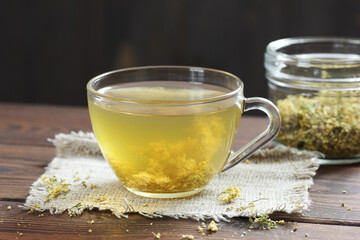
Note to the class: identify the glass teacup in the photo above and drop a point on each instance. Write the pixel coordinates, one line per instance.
(166, 131)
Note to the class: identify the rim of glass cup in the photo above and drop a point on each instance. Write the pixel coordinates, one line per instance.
(273, 49)
(225, 96)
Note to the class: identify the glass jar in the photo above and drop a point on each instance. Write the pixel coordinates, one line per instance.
(315, 83)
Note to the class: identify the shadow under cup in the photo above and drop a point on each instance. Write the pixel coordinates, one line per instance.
(166, 131)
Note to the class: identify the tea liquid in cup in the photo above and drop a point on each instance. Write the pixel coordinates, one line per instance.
(165, 138)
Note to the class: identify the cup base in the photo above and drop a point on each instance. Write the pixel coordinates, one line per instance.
(166, 195)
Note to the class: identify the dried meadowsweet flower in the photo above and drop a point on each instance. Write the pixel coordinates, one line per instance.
(263, 221)
(327, 122)
(213, 227)
(55, 187)
(250, 207)
(156, 235)
(99, 200)
(79, 204)
(31, 210)
(281, 222)
(231, 194)
(190, 237)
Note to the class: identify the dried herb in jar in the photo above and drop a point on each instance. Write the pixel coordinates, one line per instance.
(328, 123)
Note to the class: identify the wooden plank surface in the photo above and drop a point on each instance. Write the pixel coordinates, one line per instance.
(24, 152)
(107, 226)
(34, 124)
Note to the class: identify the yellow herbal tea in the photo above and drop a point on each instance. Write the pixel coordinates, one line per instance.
(167, 148)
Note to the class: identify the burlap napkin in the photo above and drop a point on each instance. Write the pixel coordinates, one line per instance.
(78, 178)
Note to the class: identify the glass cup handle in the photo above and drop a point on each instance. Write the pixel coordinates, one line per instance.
(262, 104)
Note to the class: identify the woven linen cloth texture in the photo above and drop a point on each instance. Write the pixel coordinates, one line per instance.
(273, 180)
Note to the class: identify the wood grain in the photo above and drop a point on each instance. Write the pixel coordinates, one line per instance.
(24, 152)
(327, 196)
(107, 226)
(34, 124)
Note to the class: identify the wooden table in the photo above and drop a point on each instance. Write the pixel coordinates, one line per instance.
(25, 151)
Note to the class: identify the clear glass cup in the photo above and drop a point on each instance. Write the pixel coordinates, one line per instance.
(166, 131)
(315, 83)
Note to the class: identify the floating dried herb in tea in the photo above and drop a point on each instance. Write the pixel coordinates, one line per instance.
(328, 123)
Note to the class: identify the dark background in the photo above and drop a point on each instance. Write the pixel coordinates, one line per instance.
(50, 49)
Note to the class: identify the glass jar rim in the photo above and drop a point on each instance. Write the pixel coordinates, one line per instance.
(274, 47)
(314, 57)
(232, 93)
